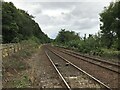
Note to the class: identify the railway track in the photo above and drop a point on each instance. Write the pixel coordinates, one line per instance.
(67, 70)
(115, 67)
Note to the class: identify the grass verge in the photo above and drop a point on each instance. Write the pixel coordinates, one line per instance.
(15, 69)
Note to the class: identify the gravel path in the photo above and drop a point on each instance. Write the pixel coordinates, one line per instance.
(42, 73)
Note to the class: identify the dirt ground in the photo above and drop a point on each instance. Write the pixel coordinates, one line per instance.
(40, 73)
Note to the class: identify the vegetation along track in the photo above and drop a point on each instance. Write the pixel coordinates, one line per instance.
(109, 77)
(115, 67)
(71, 75)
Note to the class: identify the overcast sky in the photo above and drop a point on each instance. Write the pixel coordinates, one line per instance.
(81, 16)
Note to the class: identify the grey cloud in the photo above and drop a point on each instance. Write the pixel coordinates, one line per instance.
(87, 9)
(85, 23)
(44, 19)
(57, 5)
(37, 11)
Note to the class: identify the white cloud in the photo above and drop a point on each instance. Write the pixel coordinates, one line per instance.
(60, 0)
(55, 13)
(81, 16)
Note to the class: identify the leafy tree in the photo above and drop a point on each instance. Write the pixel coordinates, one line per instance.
(10, 28)
(19, 25)
(72, 40)
(66, 36)
(110, 19)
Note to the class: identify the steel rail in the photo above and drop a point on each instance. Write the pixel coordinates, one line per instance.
(97, 59)
(116, 71)
(115, 64)
(92, 62)
(82, 70)
(65, 82)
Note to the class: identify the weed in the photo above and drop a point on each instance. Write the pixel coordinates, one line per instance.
(22, 82)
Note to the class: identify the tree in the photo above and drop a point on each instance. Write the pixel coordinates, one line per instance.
(110, 26)
(66, 36)
(19, 25)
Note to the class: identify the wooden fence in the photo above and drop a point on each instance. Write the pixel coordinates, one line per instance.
(9, 49)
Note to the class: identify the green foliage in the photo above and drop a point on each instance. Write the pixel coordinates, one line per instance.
(18, 25)
(25, 53)
(66, 36)
(111, 53)
(110, 26)
(34, 39)
(72, 40)
(14, 64)
(22, 82)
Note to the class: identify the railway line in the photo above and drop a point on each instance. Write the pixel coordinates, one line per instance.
(71, 75)
(104, 73)
(115, 67)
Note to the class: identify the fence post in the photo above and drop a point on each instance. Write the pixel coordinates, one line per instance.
(14, 48)
(9, 49)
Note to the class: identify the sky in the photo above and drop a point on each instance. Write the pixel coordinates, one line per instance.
(81, 16)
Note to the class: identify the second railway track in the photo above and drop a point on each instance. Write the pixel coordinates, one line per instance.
(73, 76)
(115, 67)
(110, 77)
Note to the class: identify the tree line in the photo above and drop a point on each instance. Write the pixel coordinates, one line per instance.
(18, 25)
(108, 38)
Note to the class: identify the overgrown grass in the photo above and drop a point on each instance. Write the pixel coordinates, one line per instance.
(109, 53)
(16, 64)
(21, 82)
(16, 61)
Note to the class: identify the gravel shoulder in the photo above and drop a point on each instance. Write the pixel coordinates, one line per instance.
(42, 74)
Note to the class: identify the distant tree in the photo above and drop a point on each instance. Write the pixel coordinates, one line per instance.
(66, 36)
